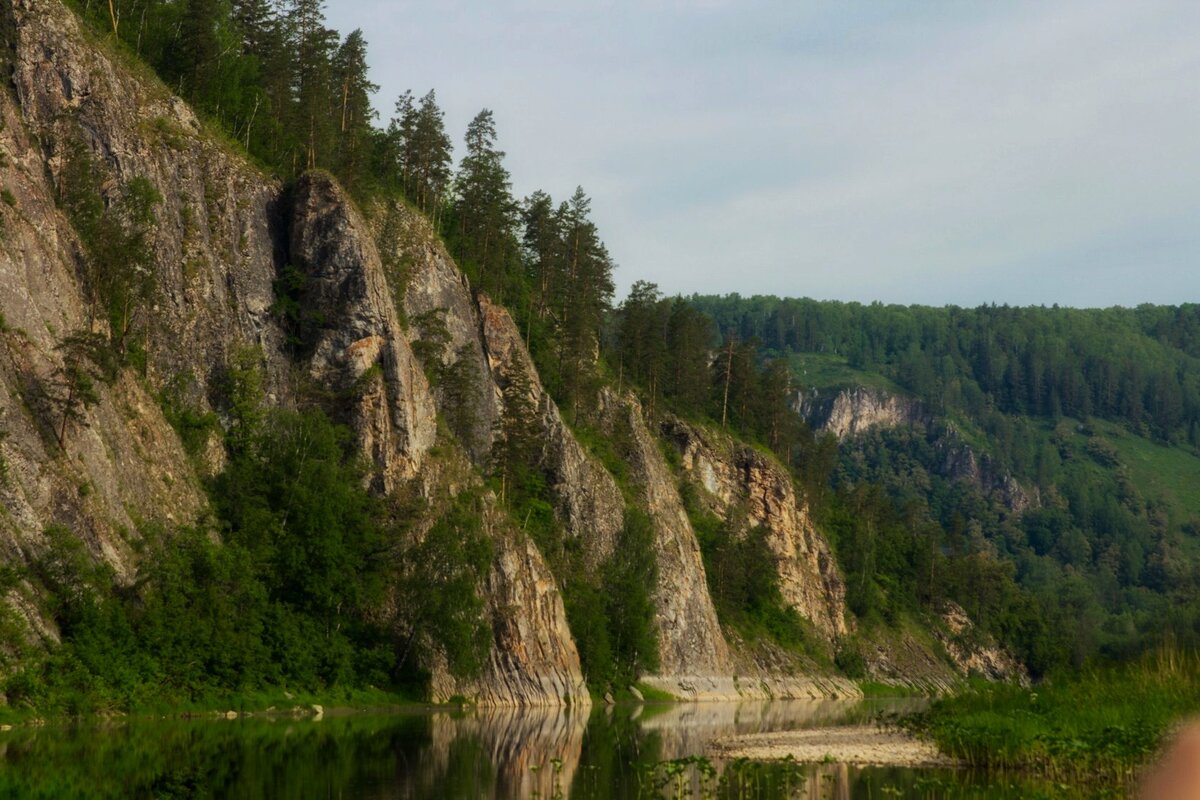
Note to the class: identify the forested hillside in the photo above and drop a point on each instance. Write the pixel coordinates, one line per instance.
(339, 419)
(1092, 412)
(415, 445)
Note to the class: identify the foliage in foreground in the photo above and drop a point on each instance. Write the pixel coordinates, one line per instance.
(290, 600)
(1100, 725)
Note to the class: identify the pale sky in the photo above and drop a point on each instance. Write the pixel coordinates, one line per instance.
(911, 152)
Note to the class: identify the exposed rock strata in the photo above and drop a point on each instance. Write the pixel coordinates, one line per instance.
(533, 661)
(974, 654)
(224, 231)
(589, 501)
(122, 465)
(857, 409)
(736, 476)
(434, 284)
(360, 353)
(689, 637)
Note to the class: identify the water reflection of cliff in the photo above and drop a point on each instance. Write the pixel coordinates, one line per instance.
(547, 752)
(496, 753)
(685, 729)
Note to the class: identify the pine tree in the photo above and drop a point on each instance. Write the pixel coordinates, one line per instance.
(355, 114)
(198, 50)
(424, 150)
(517, 453)
(584, 296)
(689, 339)
(399, 132)
(312, 81)
(542, 244)
(485, 213)
(642, 338)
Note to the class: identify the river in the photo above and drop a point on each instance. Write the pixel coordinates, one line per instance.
(622, 752)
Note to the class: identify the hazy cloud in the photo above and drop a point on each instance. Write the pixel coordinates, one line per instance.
(908, 152)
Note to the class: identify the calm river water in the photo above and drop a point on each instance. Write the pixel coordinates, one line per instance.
(623, 752)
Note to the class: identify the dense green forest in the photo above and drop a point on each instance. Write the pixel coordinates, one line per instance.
(1092, 411)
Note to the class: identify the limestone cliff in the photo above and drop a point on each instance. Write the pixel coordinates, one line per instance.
(738, 478)
(533, 660)
(855, 410)
(974, 654)
(120, 466)
(689, 637)
(360, 352)
(224, 237)
(589, 501)
(223, 233)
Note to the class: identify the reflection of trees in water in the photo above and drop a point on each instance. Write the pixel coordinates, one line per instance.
(502, 754)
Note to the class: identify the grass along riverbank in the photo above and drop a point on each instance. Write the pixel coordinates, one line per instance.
(1104, 724)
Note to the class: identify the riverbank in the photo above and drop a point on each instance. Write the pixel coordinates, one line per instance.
(858, 745)
(1102, 726)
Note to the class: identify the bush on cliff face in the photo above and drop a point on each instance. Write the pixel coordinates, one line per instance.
(742, 579)
(116, 236)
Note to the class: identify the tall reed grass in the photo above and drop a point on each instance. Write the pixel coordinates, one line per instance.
(1100, 725)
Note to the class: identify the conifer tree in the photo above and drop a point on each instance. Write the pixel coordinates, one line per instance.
(313, 45)
(199, 49)
(485, 213)
(419, 134)
(642, 338)
(355, 114)
(584, 296)
(689, 338)
(516, 455)
(542, 245)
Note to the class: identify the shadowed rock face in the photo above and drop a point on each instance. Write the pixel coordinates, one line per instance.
(435, 284)
(360, 353)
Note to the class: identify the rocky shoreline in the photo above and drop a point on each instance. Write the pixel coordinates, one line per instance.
(860, 745)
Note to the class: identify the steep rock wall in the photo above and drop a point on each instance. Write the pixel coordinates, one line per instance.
(736, 476)
(218, 236)
(360, 353)
(432, 283)
(690, 640)
(223, 232)
(121, 467)
(857, 409)
(533, 661)
(589, 501)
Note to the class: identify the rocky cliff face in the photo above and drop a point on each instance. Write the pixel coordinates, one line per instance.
(856, 410)
(852, 411)
(224, 235)
(974, 654)
(740, 479)
(429, 282)
(120, 466)
(690, 639)
(360, 352)
(961, 462)
(589, 501)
